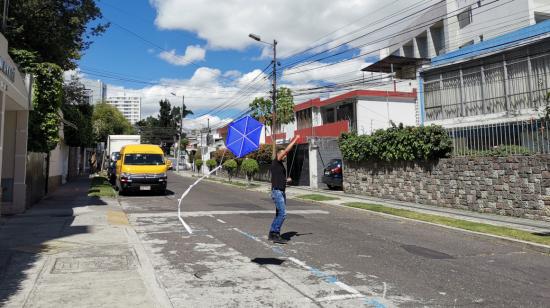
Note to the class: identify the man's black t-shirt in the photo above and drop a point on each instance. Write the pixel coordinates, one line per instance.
(278, 175)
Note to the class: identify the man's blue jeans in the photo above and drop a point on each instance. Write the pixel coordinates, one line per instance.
(279, 198)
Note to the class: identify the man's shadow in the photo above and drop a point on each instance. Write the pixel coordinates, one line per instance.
(289, 235)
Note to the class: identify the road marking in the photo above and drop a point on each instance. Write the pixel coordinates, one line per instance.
(338, 297)
(221, 221)
(214, 213)
(117, 218)
(385, 289)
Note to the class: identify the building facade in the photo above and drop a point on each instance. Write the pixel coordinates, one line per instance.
(96, 90)
(129, 106)
(15, 104)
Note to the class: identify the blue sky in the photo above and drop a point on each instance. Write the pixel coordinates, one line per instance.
(153, 40)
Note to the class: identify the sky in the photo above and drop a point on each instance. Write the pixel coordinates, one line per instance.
(200, 49)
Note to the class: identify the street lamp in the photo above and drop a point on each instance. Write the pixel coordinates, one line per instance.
(274, 93)
(180, 131)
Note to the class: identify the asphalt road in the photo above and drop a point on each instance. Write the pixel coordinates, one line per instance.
(337, 257)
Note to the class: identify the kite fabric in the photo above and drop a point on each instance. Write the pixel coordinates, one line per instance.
(243, 136)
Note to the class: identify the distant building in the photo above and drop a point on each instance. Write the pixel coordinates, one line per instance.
(130, 106)
(96, 90)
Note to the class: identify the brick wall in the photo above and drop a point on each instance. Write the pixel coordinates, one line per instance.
(514, 186)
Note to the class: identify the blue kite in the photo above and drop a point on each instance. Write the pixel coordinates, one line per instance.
(243, 137)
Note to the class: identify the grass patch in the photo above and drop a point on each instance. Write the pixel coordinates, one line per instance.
(457, 223)
(100, 187)
(316, 197)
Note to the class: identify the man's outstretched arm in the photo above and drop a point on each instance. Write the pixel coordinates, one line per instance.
(281, 155)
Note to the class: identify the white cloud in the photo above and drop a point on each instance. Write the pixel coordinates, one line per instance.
(192, 54)
(295, 24)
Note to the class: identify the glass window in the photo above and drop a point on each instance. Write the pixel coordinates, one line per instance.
(143, 159)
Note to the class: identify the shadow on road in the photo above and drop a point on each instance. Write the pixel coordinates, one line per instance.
(289, 235)
(26, 238)
(268, 261)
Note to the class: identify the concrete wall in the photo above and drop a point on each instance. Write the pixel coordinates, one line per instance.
(513, 186)
(490, 21)
(321, 152)
(59, 166)
(373, 115)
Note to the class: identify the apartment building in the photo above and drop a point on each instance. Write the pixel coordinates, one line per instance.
(129, 106)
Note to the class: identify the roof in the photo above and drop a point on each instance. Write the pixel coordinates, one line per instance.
(393, 63)
(142, 148)
(507, 41)
(317, 102)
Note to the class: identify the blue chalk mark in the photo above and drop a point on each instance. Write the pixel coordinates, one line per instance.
(326, 277)
(371, 302)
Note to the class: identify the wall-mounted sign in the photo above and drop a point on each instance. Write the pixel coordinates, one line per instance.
(7, 69)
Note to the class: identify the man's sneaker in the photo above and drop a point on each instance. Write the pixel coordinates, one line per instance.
(279, 240)
(272, 236)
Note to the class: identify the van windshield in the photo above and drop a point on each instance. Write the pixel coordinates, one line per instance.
(143, 159)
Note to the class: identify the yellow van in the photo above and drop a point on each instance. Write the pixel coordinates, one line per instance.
(141, 167)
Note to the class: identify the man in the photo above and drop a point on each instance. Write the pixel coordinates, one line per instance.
(278, 187)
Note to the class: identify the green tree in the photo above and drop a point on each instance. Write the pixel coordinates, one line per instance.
(77, 113)
(250, 167)
(230, 166)
(211, 164)
(108, 120)
(198, 164)
(57, 30)
(45, 118)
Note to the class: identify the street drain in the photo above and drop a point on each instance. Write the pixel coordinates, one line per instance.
(426, 252)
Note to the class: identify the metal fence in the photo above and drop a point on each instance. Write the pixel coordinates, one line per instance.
(527, 137)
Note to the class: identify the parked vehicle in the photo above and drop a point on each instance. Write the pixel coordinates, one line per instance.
(332, 175)
(141, 167)
(116, 142)
(111, 169)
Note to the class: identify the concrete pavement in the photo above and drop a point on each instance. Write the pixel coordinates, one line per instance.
(337, 257)
(73, 251)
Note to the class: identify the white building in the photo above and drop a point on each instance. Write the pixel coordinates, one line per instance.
(14, 119)
(129, 106)
(96, 89)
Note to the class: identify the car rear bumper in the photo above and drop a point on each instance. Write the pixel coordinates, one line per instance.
(332, 181)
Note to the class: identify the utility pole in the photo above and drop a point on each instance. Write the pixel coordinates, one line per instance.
(274, 104)
(178, 146)
(274, 94)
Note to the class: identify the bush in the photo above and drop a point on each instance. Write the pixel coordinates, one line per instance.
(262, 155)
(219, 154)
(505, 150)
(250, 167)
(230, 166)
(397, 143)
(211, 164)
(198, 164)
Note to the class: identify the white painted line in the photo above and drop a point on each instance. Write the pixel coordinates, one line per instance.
(221, 221)
(385, 289)
(340, 284)
(338, 297)
(346, 287)
(207, 213)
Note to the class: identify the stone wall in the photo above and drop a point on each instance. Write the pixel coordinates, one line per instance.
(514, 186)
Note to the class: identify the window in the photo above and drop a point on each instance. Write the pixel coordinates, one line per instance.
(143, 159)
(328, 116)
(465, 18)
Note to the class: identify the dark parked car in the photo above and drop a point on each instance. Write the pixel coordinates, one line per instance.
(111, 170)
(333, 174)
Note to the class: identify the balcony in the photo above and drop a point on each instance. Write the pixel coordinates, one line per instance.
(327, 130)
(279, 137)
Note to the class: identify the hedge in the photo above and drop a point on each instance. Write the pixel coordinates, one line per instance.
(397, 143)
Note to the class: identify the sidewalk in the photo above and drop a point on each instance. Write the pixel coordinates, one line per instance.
(74, 251)
(528, 225)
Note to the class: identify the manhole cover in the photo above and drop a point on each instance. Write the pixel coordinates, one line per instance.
(426, 252)
(92, 264)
